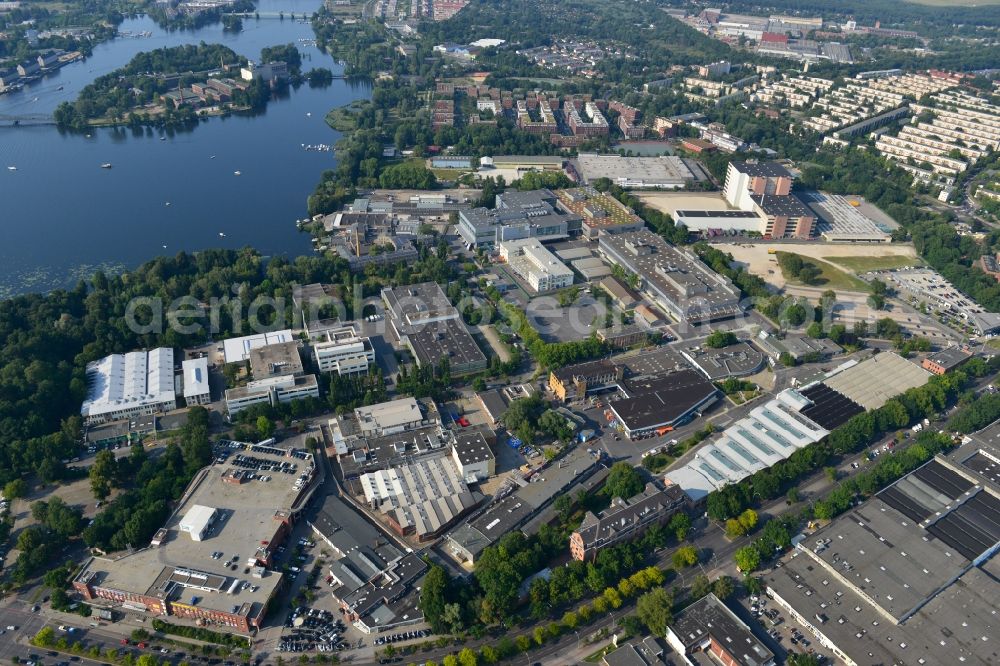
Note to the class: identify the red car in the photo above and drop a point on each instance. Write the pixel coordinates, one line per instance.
(464, 422)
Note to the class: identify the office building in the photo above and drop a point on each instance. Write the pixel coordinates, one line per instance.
(533, 263)
(533, 214)
(736, 360)
(946, 360)
(572, 382)
(765, 188)
(278, 378)
(122, 386)
(211, 562)
(343, 351)
(625, 520)
(708, 626)
(600, 212)
(674, 278)
(427, 324)
(196, 388)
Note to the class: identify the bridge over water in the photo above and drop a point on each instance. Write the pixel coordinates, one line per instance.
(26, 119)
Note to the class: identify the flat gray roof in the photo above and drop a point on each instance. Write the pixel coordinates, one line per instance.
(449, 339)
(874, 381)
(956, 626)
(735, 360)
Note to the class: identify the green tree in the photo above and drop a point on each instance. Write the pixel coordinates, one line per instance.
(467, 657)
(748, 520)
(723, 587)
(655, 610)
(685, 556)
(700, 586)
(718, 339)
(680, 524)
(623, 481)
(46, 637)
(747, 559)
(15, 489)
(265, 428)
(434, 596)
(103, 474)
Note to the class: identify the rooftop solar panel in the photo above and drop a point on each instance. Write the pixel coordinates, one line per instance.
(904, 504)
(943, 479)
(830, 408)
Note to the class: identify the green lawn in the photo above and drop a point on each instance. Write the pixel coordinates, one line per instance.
(865, 264)
(830, 276)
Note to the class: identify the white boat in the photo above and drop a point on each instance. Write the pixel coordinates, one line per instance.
(12, 168)
(106, 165)
(237, 173)
(167, 204)
(308, 114)
(163, 138)
(222, 235)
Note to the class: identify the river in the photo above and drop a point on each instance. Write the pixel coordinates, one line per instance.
(62, 216)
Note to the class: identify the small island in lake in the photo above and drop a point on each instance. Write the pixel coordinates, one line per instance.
(174, 86)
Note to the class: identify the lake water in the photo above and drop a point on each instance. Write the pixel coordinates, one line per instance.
(62, 216)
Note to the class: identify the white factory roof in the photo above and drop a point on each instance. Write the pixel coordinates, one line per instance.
(195, 377)
(768, 434)
(391, 414)
(238, 349)
(120, 381)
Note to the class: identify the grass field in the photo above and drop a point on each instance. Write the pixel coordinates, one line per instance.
(830, 276)
(865, 264)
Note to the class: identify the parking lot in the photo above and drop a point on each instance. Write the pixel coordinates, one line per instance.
(309, 629)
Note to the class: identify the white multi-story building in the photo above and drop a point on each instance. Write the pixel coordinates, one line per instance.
(342, 351)
(121, 386)
(535, 264)
(273, 390)
(196, 390)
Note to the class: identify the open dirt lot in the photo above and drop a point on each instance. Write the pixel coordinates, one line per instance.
(754, 257)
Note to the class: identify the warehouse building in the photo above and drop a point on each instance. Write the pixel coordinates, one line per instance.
(473, 456)
(675, 279)
(736, 360)
(661, 173)
(906, 577)
(422, 498)
(211, 561)
(122, 386)
(768, 434)
(650, 406)
(525, 499)
(238, 349)
(872, 382)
